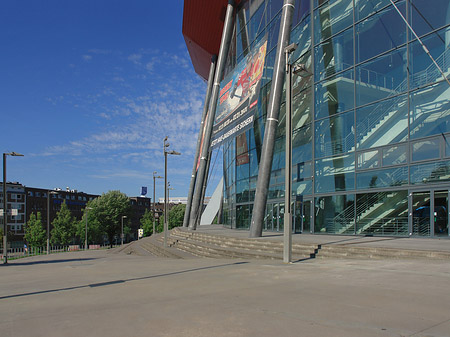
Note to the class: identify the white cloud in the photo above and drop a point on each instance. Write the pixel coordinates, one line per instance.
(87, 57)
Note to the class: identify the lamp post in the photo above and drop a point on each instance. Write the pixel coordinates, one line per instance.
(154, 178)
(123, 217)
(86, 229)
(166, 145)
(5, 209)
(48, 219)
(287, 230)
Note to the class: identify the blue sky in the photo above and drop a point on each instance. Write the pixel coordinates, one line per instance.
(89, 89)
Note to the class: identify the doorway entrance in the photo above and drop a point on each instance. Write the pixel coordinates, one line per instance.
(429, 213)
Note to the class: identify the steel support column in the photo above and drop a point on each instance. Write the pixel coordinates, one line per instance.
(265, 165)
(201, 172)
(212, 70)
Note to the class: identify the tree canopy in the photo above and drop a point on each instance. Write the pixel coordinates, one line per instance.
(35, 233)
(147, 222)
(63, 231)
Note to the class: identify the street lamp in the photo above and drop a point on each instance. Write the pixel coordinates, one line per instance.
(86, 229)
(5, 209)
(300, 70)
(154, 177)
(48, 219)
(166, 145)
(123, 217)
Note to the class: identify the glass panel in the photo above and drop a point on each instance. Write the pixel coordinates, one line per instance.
(382, 123)
(333, 55)
(430, 111)
(298, 215)
(303, 80)
(268, 218)
(302, 145)
(280, 217)
(394, 155)
(421, 214)
(382, 178)
(335, 174)
(273, 32)
(382, 213)
(335, 214)
(368, 159)
(302, 188)
(332, 17)
(242, 191)
(304, 171)
(364, 8)
(242, 216)
(302, 109)
(422, 69)
(382, 77)
(306, 216)
(426, 16)
(430, 173)
(275, 217)
(302, 8)
(302, 36)
(379, 33)
(334, 95)
(441, 213)
(425, 149)
(335, 135)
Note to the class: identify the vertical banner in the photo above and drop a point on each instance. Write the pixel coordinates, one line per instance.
(144, 190)
(239, 96)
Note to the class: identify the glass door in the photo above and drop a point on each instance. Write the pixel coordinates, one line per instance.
(430, 213)
(421, 213)
(440, 216)
(306, 216)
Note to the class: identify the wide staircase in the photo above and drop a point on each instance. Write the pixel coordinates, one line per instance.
(183, 244)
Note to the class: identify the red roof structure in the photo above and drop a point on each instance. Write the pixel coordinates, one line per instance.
(202, 30)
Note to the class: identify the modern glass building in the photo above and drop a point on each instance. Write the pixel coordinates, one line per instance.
(371, 117)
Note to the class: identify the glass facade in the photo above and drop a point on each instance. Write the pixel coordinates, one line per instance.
(371, 119)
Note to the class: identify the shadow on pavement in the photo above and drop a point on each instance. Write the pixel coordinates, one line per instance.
(12, 263)
(102, 284)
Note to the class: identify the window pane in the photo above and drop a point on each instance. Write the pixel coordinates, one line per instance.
(335, 135)
(334, 95)
(379, 33)
(382, 213)
(423, 70)
(335, 214)
(382, 123)
(335, 174)
(302, 145)
(302, 36)
(380, 78)
(382, 178)
(302, 109)
(334, 55)
(364, 8)
(394, 155)
(368, 159)
(425, 149)
(430, 173)
(332, 17)
(430, 111)
(425, 16)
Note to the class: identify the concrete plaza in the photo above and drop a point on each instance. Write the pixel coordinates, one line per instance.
(102, 293)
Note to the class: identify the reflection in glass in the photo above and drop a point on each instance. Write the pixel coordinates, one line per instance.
(332, 17)
(382, 123)
(430, 111)
(335, 135)
(364, 8)
(441, 213)
(425, 149)
(301, 35)
(421, 214)
(430, 173)
(334, 95)
(382, 178)
(333, 55)
(379, 33)
(382, 213)
(335, 214)
(242, 216)
(302, 144)
(368, 159)
(394, 155)
(382, 77)
(425, 17)
(335, 174)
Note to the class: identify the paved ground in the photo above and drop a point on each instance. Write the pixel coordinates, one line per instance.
(104, 294)
(415, 243)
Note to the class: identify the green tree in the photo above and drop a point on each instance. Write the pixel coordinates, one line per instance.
(95, 232)
(63, 230)
(176, 216)
(35, 233)
(147, 222)
(108, 210)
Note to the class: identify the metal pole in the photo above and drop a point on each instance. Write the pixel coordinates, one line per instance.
(212, 70)
(86, 229)
(287, 237)
(122, 232)
(154, 226)
(165, 194)
(265, 166)
(223, 52)
(48, 222)
(5, 214)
